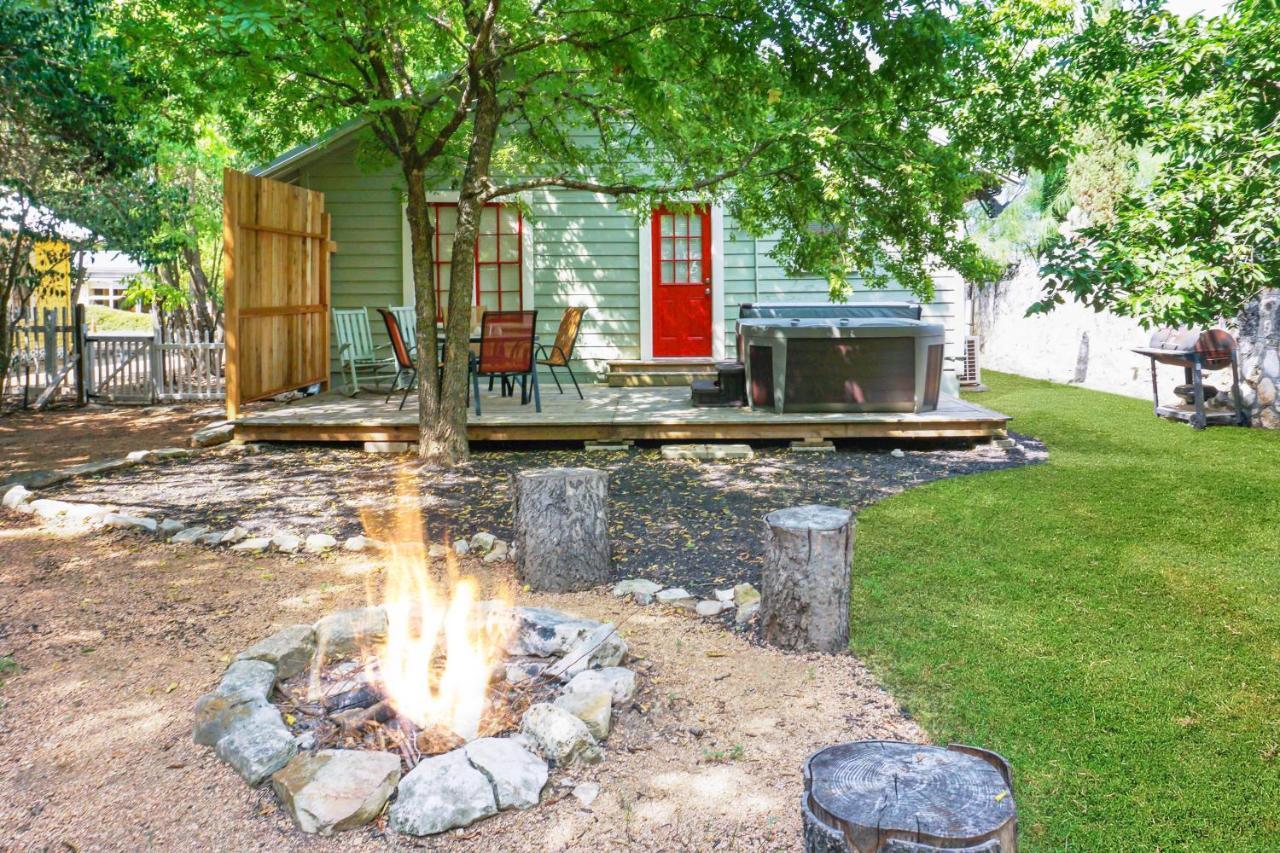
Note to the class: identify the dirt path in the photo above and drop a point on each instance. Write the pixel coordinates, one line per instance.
(33, 441)
(115, 637)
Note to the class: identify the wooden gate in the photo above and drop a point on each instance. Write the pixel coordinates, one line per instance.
(276, 275)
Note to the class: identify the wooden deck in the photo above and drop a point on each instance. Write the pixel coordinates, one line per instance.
(654, 413)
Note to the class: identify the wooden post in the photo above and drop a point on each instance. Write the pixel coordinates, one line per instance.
(804, 597)
(230, 295)
(82, 387)
(561, 528)
(873, 796)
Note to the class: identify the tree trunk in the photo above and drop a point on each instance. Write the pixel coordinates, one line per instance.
(804, 598)
(562, 528)
(873, 796)
(422, 253)
(446, 442)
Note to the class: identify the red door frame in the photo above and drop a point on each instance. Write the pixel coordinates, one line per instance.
(682, 309)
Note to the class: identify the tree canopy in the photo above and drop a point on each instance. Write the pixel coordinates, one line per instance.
(1201, 237)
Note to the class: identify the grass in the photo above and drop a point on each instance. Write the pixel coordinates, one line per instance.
(104, 319)
(1108, 621)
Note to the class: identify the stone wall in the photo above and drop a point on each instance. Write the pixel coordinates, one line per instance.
(1077, 345)
(1258, 331)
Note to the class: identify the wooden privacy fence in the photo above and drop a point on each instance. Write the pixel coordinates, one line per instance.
(276, 288)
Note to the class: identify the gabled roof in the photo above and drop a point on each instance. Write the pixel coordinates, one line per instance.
(302, 154)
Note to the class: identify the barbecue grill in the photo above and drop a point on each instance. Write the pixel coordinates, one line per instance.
(1196, 352)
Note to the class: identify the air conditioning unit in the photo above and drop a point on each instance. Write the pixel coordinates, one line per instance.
(971, 374)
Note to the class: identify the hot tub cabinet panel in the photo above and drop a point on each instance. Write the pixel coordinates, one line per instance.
(883, 364)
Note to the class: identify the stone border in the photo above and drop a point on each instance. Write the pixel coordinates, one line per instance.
(331, 790)
(743, 598)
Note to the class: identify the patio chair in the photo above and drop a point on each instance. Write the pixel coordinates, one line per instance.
(407, 319)
(404, 361)
(561, 351)
(356, 352)
(506, 352)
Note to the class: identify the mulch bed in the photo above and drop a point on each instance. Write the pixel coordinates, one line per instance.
(678, 523)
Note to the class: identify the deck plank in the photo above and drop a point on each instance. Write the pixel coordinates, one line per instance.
(652, 412)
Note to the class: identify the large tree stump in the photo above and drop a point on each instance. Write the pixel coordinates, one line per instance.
(878, 795)
(561, 528)
(804, 596)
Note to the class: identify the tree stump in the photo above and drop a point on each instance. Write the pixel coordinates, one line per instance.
(804, 596)
(561, 528)
(878, 795)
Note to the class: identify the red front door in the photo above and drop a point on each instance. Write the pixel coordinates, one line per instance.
(681, 283)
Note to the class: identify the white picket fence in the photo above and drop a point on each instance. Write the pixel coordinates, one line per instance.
(132, 368)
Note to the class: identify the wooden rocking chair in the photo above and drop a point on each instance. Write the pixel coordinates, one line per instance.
(356, 351)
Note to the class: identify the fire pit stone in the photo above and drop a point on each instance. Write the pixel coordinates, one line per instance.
(517, 774)
(542, 632)
(347, 631)
(332, 790)
(442, 793)
(617, 681)
(560, 736)
(594, 709)
(258, 745)
(289, 650)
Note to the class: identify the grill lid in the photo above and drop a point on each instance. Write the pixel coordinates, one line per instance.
(1175, 346)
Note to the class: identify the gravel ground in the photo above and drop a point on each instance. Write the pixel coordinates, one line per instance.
(679, 523)
(112, 637)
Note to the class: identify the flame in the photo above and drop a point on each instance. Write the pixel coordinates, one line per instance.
(441, 646)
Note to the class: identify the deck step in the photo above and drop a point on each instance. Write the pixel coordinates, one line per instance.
(633, 373)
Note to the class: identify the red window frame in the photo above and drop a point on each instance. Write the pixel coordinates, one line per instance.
(501, 267)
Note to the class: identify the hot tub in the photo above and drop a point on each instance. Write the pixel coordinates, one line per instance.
(842, 364)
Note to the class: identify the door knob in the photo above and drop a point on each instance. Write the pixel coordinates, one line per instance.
(706, 291)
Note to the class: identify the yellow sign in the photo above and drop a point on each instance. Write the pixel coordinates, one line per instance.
(52, 260)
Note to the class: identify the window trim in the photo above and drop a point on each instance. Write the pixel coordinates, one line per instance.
(527, 253)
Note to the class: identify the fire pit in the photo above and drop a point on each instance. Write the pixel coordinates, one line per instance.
(449, 707)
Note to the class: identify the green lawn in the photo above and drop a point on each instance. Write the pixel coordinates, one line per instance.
(1109, 621)
(104, 319)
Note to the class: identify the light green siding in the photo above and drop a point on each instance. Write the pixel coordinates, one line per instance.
(585, 251)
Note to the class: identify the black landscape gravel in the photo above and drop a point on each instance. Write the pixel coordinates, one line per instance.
(678, 523)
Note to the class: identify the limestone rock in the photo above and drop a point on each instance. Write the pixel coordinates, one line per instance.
(524, 671)
(188, 535)
(170, 526)
(601, 647)
(745, 612)
(442, 792)
(561, 737)
(711, 607)
(252, 679)
(288, 650)
(745, 593)
(347, 631)
(644, 599)
(619, 682)
(437, 551)
(586, 793)
(897, 453)
(542, 632)
(318, 543)
(517, 775)
(676, 597)
(594, 709)
(461, 547)
(482, 543)
(258, 745)
(218, 433)
(129, 522)
(498, 552)
(253, 545)
(234, 535)
(359, 543)
(336, 789)
(16, 496)
(139, 457)
(100, 466)
(171, 453)
(634, 585)
(287, 543)
(217, 713)
(724, 594)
